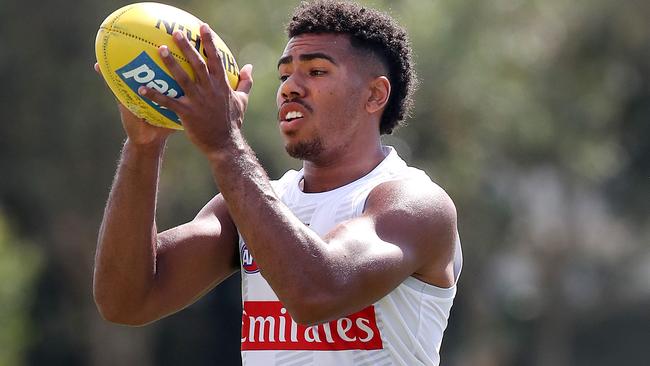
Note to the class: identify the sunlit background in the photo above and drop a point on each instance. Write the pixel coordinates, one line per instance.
(533, 115)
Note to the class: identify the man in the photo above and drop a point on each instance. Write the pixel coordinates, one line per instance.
(351, 261)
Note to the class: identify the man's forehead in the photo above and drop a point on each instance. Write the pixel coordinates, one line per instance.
(317, 42)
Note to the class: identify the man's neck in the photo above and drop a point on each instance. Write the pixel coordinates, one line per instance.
(342, 170)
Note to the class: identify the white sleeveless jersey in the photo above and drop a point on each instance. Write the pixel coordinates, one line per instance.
(403, 328)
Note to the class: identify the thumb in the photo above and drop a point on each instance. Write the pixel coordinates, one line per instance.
(245, 79)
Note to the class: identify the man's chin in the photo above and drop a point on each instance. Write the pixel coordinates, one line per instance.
(305, 150)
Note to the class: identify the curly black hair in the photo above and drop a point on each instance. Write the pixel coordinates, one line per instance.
(369, 30)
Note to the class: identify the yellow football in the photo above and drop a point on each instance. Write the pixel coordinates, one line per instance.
(127, 53)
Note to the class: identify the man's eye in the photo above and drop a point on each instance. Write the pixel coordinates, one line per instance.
(283, 78)
(318, 72)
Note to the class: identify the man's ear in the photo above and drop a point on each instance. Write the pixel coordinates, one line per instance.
(379, 94)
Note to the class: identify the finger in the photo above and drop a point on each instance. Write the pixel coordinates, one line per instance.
(96, 67)
(193, 57)
(215, 63)
(245, 79)
(177, 71)
(155, 96)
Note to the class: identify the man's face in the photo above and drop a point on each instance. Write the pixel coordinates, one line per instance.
(320, 96)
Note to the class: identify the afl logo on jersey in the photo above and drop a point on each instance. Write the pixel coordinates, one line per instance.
(247, 261)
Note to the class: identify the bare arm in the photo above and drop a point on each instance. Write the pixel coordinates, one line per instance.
(140, 275)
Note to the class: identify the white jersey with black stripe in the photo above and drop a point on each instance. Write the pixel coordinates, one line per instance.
(403, 328)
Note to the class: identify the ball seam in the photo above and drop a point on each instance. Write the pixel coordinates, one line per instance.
(147, 42)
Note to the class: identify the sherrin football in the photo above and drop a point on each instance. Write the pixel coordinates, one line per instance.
(127, 53)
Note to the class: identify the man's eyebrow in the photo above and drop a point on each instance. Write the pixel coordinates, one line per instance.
(317, 55)
(285, 60)
(307, 57)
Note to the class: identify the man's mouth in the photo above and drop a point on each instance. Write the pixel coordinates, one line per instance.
(290, 116)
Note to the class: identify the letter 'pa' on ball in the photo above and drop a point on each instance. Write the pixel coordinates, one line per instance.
(126, 48)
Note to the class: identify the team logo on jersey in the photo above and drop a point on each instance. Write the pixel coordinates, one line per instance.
(247, 260)
(266, 325)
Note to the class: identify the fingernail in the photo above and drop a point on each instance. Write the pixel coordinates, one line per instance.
(142, 90)
(164, 51)
(178, 35)
(205, 27)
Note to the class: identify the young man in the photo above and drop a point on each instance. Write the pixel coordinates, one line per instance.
(353, 260)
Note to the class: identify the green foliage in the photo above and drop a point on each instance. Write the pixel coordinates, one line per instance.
(20, 264)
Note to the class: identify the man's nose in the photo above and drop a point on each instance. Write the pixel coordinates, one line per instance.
(292, 88)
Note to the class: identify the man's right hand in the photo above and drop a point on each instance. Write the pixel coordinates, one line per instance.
(141, 275)
(138, 131)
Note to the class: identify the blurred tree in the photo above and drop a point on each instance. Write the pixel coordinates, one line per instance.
(20, 263)
(532, 114)
(529, 112)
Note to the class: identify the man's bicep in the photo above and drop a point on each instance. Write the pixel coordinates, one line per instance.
(364, 267)
(420, 217)
(209, 239)
(194, 257)
(401, 231)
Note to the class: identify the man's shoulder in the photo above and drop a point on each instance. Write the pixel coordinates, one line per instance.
(418, 190)
(420, 217)
(414, 202)
(409, 191)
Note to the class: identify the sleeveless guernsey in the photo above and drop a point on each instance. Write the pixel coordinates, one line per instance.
(403, 328)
